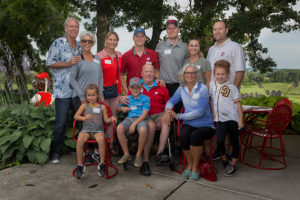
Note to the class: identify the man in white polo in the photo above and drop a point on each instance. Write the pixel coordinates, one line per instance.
(226, 49)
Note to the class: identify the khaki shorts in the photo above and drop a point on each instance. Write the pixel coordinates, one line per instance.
(156, 117)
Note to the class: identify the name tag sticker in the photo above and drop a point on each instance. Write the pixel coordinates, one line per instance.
(96, 110)
(149, 63)
(96, 61)
(168, 51)
(155, 93)
(107, 62)
(133, 107)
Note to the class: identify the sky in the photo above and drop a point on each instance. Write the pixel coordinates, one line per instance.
(284, 48)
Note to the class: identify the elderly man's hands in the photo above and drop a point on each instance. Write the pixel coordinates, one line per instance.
(124, 100)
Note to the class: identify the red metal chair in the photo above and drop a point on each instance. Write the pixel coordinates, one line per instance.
(108, 162)
(269, 129)
(182, 159)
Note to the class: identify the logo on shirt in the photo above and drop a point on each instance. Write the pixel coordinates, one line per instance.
(225, 91)
(155, 93)
(148, 58)
(222, 53)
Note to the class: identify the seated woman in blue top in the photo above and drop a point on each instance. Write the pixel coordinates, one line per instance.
(198, 122)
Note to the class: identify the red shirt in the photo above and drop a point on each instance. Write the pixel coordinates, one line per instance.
(109, 69)
(132, 63)
(45, 97)
(158, 98)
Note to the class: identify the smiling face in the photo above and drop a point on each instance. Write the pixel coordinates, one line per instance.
(172, 31)
(87, 43)
(72, 29)
(139, 39)
(111, 42)
(220, 31)
(220, 74)
(190, 75)
(148, 74)
(193, 47)
(91, 95)
(135, 90)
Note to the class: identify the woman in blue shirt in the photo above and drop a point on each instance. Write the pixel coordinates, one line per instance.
(198, 122)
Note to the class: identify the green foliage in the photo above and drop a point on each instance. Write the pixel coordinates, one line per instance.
(271, 102)
(26, 131)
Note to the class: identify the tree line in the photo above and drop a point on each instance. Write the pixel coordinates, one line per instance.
(284, 76)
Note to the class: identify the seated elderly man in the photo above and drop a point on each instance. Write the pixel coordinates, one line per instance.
(159, 96)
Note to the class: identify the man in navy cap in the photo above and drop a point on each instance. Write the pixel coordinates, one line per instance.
(134, 59)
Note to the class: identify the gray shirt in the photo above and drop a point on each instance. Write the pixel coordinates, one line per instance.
(202, 65)
(171, 59)
(84, 73)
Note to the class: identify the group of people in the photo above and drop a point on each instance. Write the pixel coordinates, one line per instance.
(204, 94)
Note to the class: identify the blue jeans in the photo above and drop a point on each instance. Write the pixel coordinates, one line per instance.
(62, 107)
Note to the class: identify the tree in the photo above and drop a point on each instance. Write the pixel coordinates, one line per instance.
(23, 23)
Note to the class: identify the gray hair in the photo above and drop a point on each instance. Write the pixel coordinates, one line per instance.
(68, 20)
(84, 33)
(181, 74)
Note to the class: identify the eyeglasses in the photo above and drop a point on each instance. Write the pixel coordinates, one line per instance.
(87, 41)
(189, 73)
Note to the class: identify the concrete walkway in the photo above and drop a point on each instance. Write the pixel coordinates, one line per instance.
(35, 182)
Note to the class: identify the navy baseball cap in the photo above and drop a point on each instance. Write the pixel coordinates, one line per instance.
(172, 21)
(139, 30)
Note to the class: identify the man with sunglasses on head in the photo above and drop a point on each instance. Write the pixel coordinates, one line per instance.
(63, 54)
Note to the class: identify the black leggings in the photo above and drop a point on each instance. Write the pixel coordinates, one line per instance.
(192, 136)
(222, 129)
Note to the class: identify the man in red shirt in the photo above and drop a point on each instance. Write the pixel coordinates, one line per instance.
(159, 95)
(134, 59)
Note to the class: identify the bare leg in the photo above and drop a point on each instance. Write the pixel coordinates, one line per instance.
(82, 138)
(142, 140)
(164, 134)
(99, 137)
(196, 152)
(122, 139)
(189, 159)
(149, 142)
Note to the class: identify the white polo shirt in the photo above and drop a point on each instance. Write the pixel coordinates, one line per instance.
(224, 97)
(231, 52)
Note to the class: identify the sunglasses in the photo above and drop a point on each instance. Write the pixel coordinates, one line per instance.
(189, 73)
(87, 41)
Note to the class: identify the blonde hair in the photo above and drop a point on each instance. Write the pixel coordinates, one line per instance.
(200, 52)
(92, 87)
(181, 74)
(109, 33)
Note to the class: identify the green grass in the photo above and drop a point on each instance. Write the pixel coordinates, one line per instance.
(293, 94)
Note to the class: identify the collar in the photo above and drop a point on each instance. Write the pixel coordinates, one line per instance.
(194, 88)
(147, 87)
(134, 52)
(178, 44)
(228, 40)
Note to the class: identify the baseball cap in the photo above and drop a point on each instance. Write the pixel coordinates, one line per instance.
(172, 21)
(135, 81)
(139, 30)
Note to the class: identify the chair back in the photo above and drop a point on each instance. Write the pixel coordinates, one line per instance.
(280, 117)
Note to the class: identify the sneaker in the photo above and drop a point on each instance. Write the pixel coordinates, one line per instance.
(96, 157)
(229, 170)
(161, 158)
(101, 169)
(215, 155)
(55, 158)
(124, 159)
(194, 176)
(145, 169)
(88, 158)
(80, 171)
(138, 162)
(186, 174)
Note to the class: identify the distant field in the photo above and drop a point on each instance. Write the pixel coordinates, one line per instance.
(293, 94)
